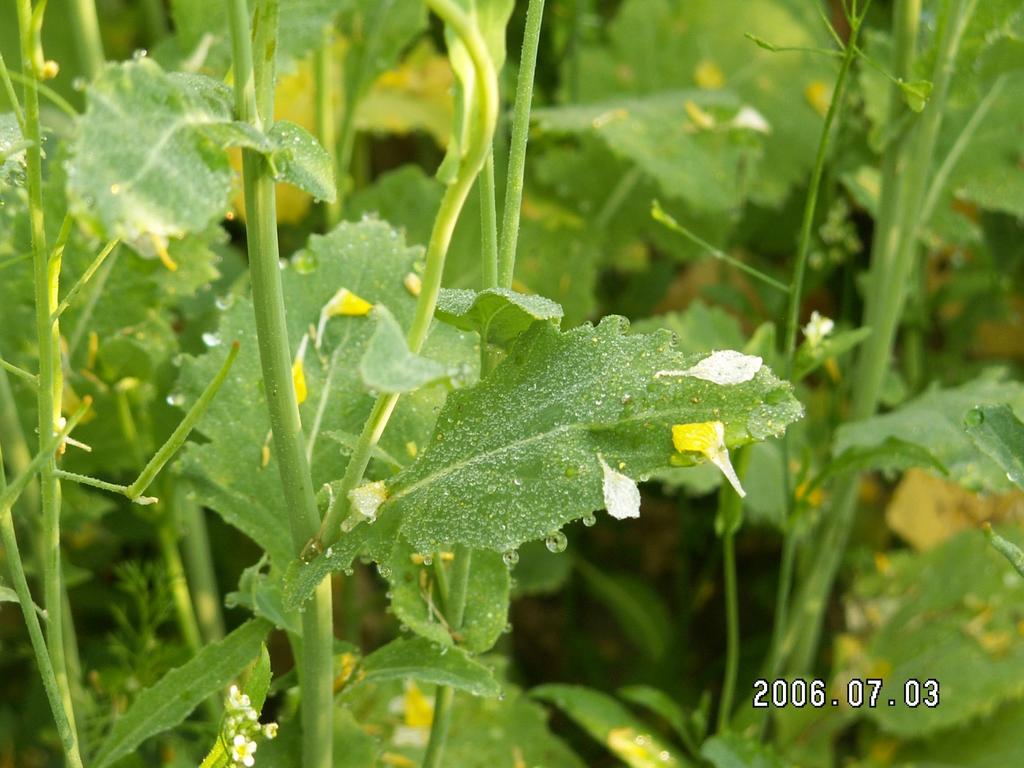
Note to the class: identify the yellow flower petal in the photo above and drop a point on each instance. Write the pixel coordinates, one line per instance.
(708, 76)
(299, 381)
(698, 116)
(419, 710)
(413, 284)
(348, 304)
(819, 96)
(708, 439)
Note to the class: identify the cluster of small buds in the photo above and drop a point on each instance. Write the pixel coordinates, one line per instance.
(242, 727)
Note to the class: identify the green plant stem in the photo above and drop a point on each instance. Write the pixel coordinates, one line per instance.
(452, 202)
(455, 608)
(46, 279)
(88, 42)
(154, 17)
(793, 306)
(44, 90)
(326, 130)
(488, 224)
(167, 535)
(86, 277)
(21, 373)
(57, 698)
(905, 177)
(199, 569)
(517, 143)
(728, 521)
(254, 94)
(732, 639)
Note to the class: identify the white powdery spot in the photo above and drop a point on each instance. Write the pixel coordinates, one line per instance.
(724, 367)
(366, 499)
(621, 496)
(752, 120)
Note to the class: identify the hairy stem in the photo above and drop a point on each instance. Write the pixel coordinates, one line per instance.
(517, 143)
(254, 94)
(892, 261)
(476, 151)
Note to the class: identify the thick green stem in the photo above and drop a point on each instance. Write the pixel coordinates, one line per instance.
(254, 94)
(46, 278)
(325, 128)
(455, 607)
(517, 143)
(476, 152)
(907, 169)
(88, 43)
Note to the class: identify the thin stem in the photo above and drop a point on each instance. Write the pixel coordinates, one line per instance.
(199, 568)
(44, 90)
(488, 224)
(617, 197)
(792, 324)
(58, 698)
(254, 95)
(728, 521)
(660, 215)
(891, 266)
(732, 640)
(88, 43)
(86, 276)
(12, 97)
(167, 535)
(455, 607)
(517, 143)
(475, 154)
(326, 130)
(21, 373)
(46, 278)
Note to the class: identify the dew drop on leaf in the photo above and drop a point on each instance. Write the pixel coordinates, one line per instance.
(511, 557)
(589, 520)
(176, 399)
(211, 339)
(556, 542)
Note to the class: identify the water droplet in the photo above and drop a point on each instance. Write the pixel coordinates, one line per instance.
(556, 542)
(348, 571)
(224, 302)
(79, 84)
(975, 417)
(507, 628)
(305, 262)
(589, 520)
(383, 570)
(176, 399)
(511, 557)
(329, 552)
(428, 560)
(211, 339)
(139, 54)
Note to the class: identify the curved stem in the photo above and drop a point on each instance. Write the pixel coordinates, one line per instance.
(476, 151)
(88, 43)
(517, 143)
(254, 95)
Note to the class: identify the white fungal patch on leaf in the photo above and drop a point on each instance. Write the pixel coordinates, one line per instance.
(367, 498)
(621, 496)
(725, 367)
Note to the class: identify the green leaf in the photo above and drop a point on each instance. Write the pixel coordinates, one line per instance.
(262, 594)
(141, 165)
(227, 473)
(257, 683)
(660, 45)
(698, 328)
(520, 455)
(300, 160)
(181, 690)
(415, 602)
(12, 149)
(892, 454)
(499, 315)
(389, 366)
(637, 609)
(999, 434)
(731, 750)
(704, 163)
(916, 93)
(539, 571)
(611, 724)
(811, 356)
(419, 659)
(661, 704)
(947, 614)
(1013, 554)
(8, 595)
(934, 420)
(991, 742)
